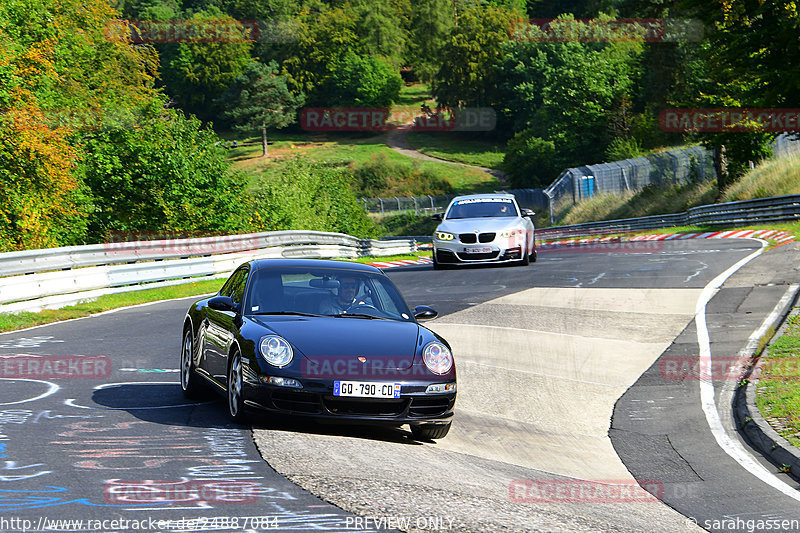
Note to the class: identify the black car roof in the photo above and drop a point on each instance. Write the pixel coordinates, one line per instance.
(258, 264)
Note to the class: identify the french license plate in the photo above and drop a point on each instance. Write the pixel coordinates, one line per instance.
(366, 389)
(479, 250)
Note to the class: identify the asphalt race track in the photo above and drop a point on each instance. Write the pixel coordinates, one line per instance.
(562, 381)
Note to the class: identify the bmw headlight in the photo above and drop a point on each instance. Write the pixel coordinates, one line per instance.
(444, 236)
(276, 350)
(437, 357)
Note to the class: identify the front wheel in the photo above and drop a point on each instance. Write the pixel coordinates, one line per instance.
(189, 380)
(235, 389)
(430, 431)
(436, 264)
(526, 260)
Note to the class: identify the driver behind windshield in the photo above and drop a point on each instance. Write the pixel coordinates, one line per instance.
(345, 298)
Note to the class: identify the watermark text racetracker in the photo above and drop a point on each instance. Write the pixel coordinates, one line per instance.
(610, 30)
(687, 368)
(381, 119)
(730, 120)
(585, 491)
(608, 247)
(55, 366)
(220, 491)
(221, 30)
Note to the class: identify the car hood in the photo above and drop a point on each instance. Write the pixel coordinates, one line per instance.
(480, 225)
(321, 338)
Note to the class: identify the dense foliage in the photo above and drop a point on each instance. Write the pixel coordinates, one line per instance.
(98, 132)
(310, 196)
(161, 173)
(381, 177)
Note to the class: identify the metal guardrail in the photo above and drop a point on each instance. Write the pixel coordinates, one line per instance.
(761, 211)
(672, 167)
(33, 275)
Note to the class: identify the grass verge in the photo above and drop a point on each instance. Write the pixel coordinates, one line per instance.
(460, 148)
(773, 177)
(401, 257)
(341, 150)
(651, 200)
(778, 389)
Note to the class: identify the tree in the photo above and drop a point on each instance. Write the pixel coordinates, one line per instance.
(431, 24)
(163, 173)
(362, 82)
(572, 94)
(469, 73)
(380, 29)
(322, 38)
(63, 70)
(750, 44)
(259, 99)
(753, 42)
(197, 71)
(530, 160)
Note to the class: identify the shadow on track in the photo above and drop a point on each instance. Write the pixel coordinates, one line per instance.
(164, 403)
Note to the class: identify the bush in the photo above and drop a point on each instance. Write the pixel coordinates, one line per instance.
(310, 196)
(407, 224)
(362, 81)
(162, 173)
(623, 148)
(529, 161)
(381, 177)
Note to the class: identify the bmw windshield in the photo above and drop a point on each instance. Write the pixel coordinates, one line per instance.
(482, 208)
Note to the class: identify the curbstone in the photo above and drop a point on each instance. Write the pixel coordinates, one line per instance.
(758, 432)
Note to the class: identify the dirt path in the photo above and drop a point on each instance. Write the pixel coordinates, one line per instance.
(397, 140)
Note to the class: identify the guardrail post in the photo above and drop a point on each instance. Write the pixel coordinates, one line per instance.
(550, 208)
(416, 209)
(399, 209)
(432, 207)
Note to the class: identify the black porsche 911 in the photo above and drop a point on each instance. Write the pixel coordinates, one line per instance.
(329, 340)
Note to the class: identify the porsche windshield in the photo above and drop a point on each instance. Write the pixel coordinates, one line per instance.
(482, 208)
(324, 292)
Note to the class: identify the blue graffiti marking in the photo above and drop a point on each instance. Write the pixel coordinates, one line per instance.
(30, 500)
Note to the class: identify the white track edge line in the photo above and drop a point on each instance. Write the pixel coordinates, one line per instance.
(729, 445)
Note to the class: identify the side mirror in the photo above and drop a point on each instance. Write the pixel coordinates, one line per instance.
(437, 216)
(527, 212)
(223, 303)
(423, 312)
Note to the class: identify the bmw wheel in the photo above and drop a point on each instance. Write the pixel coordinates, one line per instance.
(235, 389)
(189, 380)
(436, 264)
(526, 259)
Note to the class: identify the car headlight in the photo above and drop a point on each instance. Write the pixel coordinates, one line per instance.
(444, 236)
(437, 358)
(276, 350)
(512, 233)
